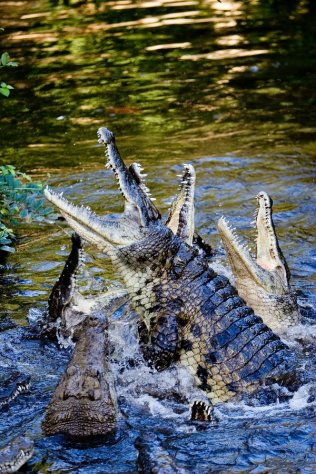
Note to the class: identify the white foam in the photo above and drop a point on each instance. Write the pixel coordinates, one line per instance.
(300, 398)
(302, 331)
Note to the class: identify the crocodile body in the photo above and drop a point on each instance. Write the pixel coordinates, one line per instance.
(191, 314)
(15, 454)
(188, 313)
(264, 282)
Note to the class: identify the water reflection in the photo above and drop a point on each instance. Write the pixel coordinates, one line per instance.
(242, 69)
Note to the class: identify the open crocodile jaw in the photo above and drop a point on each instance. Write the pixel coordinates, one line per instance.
(263, 283)
(13, 383)
(130, 182)
(16, 453)
(84, 404)
(63, 292)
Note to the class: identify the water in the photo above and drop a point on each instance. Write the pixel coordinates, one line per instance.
(226, 86)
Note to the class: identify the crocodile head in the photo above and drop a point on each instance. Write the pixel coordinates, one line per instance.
(12, 384)
(16, 453)
(63, 292)
(181, 214)
(140, 215)
(138, 202)
(108, 232)
(67, 308)
(263, 282)
(84, 403)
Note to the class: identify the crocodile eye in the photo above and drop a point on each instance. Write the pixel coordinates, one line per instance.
(95, 373)
(71, 370)
(93, 321)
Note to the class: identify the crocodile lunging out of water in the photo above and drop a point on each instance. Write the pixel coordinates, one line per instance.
(263, 283)
(84, 402)
(188, 312)
(67, 308)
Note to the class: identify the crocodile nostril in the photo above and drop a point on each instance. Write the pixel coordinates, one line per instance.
(91, 394)
(64, 395)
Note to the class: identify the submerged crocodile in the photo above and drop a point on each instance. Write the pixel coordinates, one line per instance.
(84, 402)
(188, 313)
(153, 458)
(15, 454)
(263, 283)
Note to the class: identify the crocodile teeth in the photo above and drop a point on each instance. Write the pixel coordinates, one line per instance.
(235, 239)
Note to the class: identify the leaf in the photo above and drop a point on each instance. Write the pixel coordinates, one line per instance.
(24, 213)
(7, 169)
(4, 91)
(5, 240)
(6, 248)
(5, 58)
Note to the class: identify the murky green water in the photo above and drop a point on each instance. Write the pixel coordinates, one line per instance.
(227, 86)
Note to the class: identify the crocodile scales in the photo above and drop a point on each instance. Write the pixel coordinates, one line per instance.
(188, 313)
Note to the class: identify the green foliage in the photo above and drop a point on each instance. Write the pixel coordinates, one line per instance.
(5, 61)
(21, 199)
(5, 89)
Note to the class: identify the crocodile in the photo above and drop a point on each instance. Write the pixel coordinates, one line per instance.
(67, 308)
(15, 454)
(264, 282)
(12, 384)
(188, 313)
(84, 402)
(62, 312)
(153, 458)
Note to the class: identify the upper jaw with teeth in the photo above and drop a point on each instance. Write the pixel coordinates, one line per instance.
(140, 214)
(269, 268)
(263, 282)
